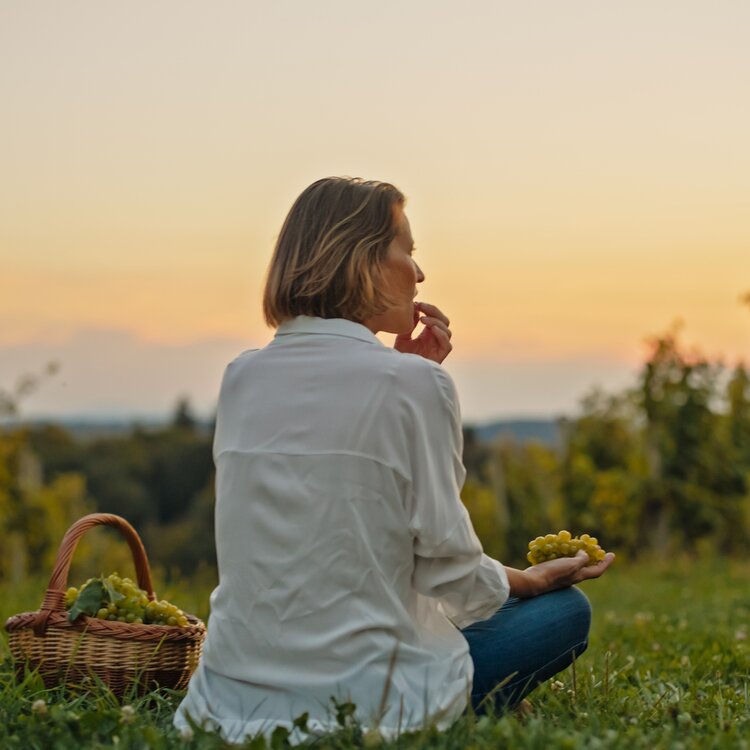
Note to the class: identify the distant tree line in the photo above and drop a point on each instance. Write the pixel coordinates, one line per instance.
(662, 466)
(160, 480)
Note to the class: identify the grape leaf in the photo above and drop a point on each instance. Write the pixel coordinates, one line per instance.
(89, 600)
(113, 594)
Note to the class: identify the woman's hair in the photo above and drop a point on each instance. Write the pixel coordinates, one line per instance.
(328, 259)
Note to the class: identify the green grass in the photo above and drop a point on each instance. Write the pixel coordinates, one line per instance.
(668, 667)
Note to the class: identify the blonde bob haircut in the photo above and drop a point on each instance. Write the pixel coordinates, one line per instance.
(328, 258)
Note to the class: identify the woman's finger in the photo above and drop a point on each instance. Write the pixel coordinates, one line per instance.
(433, 311)
(577, 565)
(436, 323)
(443, 342)
(594, 571)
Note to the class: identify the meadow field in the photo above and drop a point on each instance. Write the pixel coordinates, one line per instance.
(668, 667)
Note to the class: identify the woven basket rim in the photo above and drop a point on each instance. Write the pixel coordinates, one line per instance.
(136, 631)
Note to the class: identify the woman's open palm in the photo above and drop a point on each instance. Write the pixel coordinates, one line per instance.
(567, 571)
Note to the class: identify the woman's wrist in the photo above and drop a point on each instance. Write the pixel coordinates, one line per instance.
(524, 584)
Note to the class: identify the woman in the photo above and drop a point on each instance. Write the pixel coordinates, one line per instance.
(347, 563)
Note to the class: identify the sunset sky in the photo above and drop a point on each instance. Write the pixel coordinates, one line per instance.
(577, 175)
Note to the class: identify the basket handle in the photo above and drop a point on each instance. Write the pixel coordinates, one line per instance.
(54, 597)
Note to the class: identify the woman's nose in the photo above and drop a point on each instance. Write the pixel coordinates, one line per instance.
(420, 275)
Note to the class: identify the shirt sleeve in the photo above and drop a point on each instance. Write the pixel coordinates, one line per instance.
(449, 563)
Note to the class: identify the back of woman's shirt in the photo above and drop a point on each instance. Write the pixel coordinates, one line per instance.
(342, 544)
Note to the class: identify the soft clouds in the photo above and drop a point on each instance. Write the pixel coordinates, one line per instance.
(116, 373)
(113, 372)
(491, 389)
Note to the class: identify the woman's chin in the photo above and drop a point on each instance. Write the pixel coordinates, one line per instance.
(405, 328)
(400, 324)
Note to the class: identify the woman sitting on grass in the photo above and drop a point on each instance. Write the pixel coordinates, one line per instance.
(348, 566)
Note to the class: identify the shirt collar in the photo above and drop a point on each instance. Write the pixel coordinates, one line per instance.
(304, 324)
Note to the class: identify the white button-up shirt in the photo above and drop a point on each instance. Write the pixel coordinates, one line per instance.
(346, 559)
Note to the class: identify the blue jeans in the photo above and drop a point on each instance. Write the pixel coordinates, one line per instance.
(524, 643)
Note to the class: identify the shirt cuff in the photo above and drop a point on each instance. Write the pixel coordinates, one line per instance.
(491, 591)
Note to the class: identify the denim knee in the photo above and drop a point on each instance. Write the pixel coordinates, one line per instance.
(578, 611)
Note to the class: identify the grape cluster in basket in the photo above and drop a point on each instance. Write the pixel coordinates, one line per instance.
(563, 544)
(119, 599)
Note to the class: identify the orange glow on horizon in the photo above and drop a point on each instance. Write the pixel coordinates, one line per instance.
(568, 197)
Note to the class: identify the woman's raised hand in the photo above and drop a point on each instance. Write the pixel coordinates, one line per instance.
(434, 342)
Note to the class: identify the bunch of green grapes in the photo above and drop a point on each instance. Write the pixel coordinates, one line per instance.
(563, 544)
(119, 599)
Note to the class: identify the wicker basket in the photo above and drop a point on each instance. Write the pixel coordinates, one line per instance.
(126, 657)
